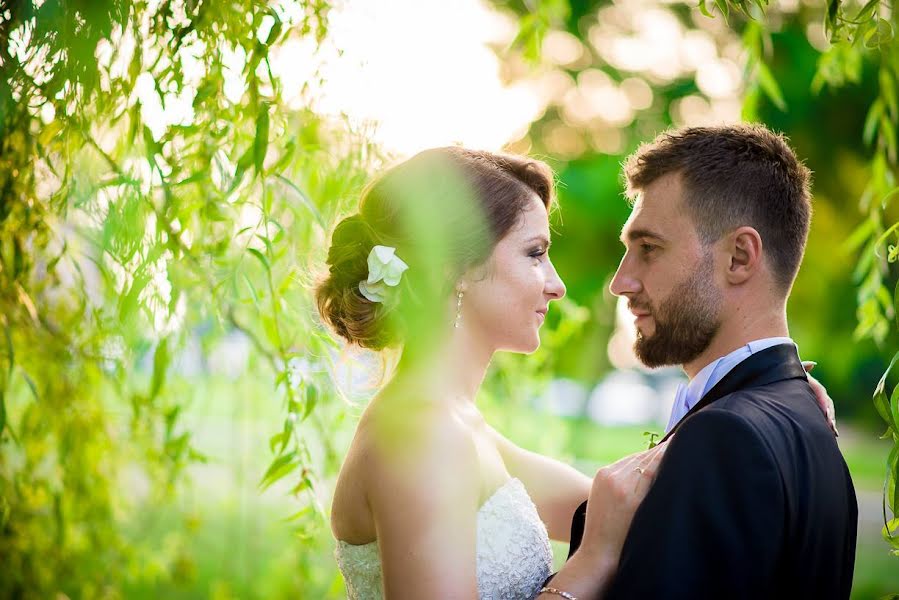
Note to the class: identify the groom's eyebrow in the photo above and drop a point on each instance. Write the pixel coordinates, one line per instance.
(637, 234)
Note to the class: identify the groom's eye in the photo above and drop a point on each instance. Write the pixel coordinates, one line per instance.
(647, 248)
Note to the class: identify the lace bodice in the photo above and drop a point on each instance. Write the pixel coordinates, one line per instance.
(513, 552)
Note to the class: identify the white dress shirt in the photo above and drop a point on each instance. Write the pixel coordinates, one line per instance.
(689, 394)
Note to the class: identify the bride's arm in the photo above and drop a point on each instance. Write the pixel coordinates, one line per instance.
(556, 488)
(424, 500)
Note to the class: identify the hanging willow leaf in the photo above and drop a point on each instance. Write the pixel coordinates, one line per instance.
(260, 142)
(872, 120)
(304, 199)
(769, 85)
(280, 467)
(831, 17)
(161, 360)
(261, 257)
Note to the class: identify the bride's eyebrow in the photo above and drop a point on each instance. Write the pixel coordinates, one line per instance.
(540, 238)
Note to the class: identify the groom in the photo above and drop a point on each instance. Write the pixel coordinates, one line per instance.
(753, 498)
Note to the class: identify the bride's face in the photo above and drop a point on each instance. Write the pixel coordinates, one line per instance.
(506, 300)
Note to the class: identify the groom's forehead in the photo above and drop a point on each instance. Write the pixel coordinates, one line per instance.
(657, 213)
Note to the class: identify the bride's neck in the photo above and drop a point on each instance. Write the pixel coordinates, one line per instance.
(452, 371)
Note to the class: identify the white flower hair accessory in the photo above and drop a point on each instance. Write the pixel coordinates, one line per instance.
(385, 269)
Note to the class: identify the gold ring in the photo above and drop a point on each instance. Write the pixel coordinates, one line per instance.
(640, 470)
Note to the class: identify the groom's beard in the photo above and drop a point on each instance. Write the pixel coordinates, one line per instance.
(685, 323)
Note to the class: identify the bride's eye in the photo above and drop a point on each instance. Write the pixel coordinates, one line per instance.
(537, 252)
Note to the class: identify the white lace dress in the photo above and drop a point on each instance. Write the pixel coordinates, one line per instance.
(513, 553)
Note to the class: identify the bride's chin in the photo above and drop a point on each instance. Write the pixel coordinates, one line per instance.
(533, 347)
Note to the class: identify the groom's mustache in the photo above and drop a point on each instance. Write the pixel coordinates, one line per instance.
(639, 307)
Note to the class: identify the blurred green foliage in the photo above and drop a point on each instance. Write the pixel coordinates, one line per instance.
(150, 213)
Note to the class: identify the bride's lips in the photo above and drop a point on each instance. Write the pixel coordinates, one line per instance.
(541, 314)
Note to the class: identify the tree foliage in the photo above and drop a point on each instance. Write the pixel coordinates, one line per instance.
(157, 188)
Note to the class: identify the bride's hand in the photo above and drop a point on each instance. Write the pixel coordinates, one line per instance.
(821, 395)
(617, 491)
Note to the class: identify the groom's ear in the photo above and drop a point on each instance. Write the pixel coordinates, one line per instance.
(744, 249)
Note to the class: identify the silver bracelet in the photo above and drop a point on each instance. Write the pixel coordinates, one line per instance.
(549, 590)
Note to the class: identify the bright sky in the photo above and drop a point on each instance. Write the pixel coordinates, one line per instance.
(419, 71)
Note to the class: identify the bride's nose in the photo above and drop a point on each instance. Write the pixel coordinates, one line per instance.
(555, 287)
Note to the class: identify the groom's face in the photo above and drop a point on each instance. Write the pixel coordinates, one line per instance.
(668, 278)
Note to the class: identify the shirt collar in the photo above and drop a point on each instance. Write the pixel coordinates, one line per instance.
(690, 394)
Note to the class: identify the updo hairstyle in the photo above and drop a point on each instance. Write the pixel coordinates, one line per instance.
(444, 210)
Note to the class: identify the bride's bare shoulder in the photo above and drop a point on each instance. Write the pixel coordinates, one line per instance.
(410, 433)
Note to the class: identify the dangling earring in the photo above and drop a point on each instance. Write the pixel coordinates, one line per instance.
(458, 309)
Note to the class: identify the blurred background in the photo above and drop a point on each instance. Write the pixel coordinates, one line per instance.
(173, 413)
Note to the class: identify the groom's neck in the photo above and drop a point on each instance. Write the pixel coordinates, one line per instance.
(737, 330)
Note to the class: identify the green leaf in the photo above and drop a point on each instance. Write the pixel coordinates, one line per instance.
(2, 411)
(881, 401)
(705, 9)
(724, 8)
(31, 385)
(872, 120)
(299, 514)
(867, 11)
(10, 351)
(888, 198)
(280, 438)
(888, 133)
(280, 467)
(896, 303)
(252, 288)
(770, 87)
(304, 199)
(880, 34)
(858, 237)
(161, 359)
(260, 143)
(268, 244)
(893, 414)
(311, 400)
(261, 257)
(888, 91)
(891, 479)
(830, 19)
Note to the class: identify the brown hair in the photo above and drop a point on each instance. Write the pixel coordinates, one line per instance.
(735, 175)
(443, 210)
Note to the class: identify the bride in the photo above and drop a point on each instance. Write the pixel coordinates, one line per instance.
(447, 261)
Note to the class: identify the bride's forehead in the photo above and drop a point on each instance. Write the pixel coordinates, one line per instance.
(534, 216)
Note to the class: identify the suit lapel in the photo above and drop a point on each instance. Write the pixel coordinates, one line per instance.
(767, 366)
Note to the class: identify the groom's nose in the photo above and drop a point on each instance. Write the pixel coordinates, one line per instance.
(623, 283)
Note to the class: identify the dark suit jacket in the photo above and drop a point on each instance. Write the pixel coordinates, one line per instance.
(752, 499)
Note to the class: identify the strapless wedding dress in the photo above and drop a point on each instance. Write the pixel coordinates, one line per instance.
(514, 557)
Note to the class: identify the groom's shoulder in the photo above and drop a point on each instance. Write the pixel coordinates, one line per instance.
(784, 418)
(778, 409)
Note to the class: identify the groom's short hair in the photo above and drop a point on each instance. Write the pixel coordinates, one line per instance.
(733, 176)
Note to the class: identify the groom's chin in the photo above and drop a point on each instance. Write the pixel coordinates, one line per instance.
(651, 355)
